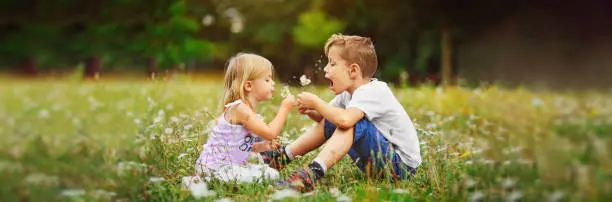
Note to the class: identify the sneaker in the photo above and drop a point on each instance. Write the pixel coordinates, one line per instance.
(276, 158)
(300, 180)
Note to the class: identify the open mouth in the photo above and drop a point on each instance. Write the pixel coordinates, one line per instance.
(331, 83)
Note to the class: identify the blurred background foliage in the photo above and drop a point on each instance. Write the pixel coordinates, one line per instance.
(418, 38)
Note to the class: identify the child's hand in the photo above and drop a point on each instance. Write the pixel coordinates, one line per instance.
(275, 143)
(308, 100)
(305, 111)
(267, 145)
(288, 102)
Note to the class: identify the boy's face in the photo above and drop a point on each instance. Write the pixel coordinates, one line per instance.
(337, 71)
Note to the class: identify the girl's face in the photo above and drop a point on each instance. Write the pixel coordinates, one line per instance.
(262, 88)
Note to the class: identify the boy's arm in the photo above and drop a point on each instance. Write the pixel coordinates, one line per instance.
(343, 118)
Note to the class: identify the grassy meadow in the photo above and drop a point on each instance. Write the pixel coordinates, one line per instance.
(136, 140)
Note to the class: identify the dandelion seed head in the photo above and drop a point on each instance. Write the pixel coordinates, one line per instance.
(304, 80)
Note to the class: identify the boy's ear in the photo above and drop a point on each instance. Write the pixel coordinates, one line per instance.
(354, 71)
(248, 86)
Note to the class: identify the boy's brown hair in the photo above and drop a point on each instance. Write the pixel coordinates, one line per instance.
(355, 49)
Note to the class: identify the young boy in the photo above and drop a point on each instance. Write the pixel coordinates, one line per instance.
(364, 120)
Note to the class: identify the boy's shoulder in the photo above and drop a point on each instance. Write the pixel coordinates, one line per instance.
(374, 87)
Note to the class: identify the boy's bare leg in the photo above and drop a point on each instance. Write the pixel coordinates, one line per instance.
(309, 141)
(337, 147)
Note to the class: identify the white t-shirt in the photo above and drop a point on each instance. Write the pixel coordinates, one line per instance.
(381, 108)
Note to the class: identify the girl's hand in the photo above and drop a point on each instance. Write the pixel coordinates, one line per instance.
(275, 143)
(266, 145)
(288, 102)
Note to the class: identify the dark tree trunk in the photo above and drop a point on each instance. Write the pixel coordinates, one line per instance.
(446, 57)
(92, 67)
(29, 66)
(152, 66)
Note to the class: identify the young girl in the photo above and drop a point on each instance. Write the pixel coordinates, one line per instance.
(248, 81)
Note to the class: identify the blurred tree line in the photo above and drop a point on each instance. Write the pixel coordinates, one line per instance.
(412, 37)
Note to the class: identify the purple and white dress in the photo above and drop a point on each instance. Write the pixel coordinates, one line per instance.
(225, 154)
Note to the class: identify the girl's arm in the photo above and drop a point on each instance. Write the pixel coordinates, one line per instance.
(249, 120)
(312, 114)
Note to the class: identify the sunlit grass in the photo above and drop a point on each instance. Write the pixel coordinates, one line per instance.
(113, 140)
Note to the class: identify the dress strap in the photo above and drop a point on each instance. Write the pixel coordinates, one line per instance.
(233, 104)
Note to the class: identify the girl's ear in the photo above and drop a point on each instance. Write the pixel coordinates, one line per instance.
(248, 86)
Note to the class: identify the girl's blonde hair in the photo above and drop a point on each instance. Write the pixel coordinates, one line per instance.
(241, 68)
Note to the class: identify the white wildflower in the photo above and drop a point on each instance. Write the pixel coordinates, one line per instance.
(161, 112)
(524, 161)
(556, 196)
(469, 182)
(536, 102)
(76, 121)
(42, 179)
(187, 127)
(476, 196)
(168, 131)
(508, 183)
(10, 166)
(344, 198)
(334, 191)
(156, 179)
(514, 196)
(158, 119)
(304, 81)
(439, 90)
(73, 192)
(137, 121)
(174, 119)
(285, 193)
(43, 114)
(169, 107)
(100, 194)
(189, 180)
(199, 190)
(180, 156)
(208, 20)
(122, 167)
(224, 200)
(400, 191)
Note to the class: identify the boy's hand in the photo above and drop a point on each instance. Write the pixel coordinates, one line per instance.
(308, 100)
(305, 111)
(288, 102)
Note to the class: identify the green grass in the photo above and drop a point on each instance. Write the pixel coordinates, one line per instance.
(104, 141)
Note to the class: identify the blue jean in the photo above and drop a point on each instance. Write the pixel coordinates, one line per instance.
(370, 147)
